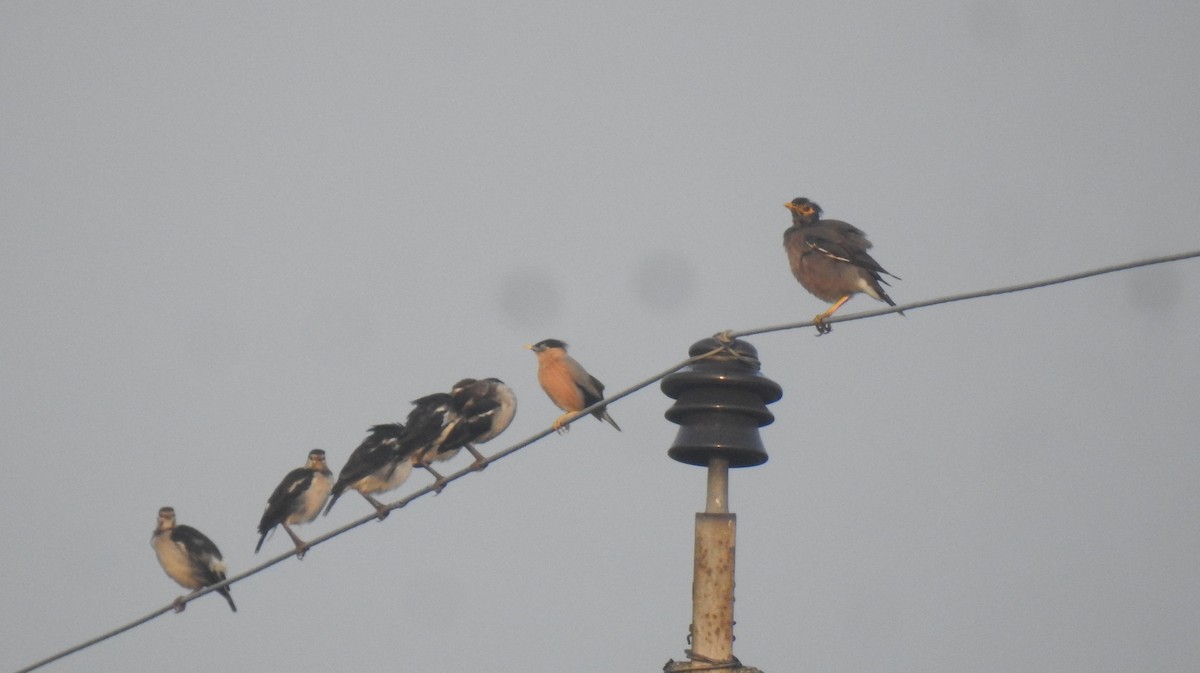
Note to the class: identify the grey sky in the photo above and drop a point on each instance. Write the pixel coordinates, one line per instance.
(232, 234)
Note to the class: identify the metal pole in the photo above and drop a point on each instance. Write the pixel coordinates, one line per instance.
(712, 578)
(718, 486)
(720, 403)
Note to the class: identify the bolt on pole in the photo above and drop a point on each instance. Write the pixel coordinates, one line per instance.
(720, 405)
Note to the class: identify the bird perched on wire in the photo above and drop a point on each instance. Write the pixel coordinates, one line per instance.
(378, 465)
(567, 383)
(829, 258)
(299, 498)
(427, 424)
(479, 410)
(188, 557)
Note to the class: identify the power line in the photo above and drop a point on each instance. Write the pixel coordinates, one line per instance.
(972, 295)
(722, 337)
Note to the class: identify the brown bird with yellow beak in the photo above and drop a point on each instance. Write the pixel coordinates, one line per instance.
(829, 258)
(567, 383)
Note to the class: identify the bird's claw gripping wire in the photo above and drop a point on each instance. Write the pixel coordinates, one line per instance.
(822, 327)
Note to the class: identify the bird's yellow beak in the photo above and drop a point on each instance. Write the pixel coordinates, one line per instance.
(529, 346)
(790, 206)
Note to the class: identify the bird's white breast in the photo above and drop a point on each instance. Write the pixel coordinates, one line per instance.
(175, 561)
(313, 500)
(384, 480)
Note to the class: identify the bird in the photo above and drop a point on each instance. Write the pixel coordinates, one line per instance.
(188, 557)
(480, 410)
(567, 383)
(427, 424)
(378, 465)
(830, 259)
(299, 498)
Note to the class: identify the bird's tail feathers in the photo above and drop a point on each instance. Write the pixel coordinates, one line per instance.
(224, 591)
(332, 499)
(884, 296)
(602, 414)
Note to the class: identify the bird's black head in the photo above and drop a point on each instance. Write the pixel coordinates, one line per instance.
(547, 344)
(804, 212)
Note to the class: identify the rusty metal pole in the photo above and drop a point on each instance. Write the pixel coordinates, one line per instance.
(720, 404)
(712, 573)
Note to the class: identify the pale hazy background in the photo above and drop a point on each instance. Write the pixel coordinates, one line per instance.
(233, 232)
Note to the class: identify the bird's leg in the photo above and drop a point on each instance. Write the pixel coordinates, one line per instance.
(439, 482)
(819, 321)
(381, 510)
(558, 424)
(301, 545)
(179, 605)
(423, 458)
(480, 461)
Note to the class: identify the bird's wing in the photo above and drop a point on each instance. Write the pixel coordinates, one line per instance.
(590, 386)
(844, 242)
(480, 415)
(378, 449)
(289, 490)
(427, 422)
(202, 551)
(480, 406)
(467, 426)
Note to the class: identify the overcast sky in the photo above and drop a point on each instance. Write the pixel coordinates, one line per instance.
(234, 232)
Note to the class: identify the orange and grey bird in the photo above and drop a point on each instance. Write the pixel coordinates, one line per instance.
(830, 259)
(299, 498)
(188, 557)
(378, 465)
(567, 383)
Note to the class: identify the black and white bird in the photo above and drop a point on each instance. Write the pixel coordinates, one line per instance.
(380, 464)
(299, 498)
(188, 557)
(427, 424)
(480, 410)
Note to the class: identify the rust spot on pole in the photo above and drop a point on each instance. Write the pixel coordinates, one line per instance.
(712, 586)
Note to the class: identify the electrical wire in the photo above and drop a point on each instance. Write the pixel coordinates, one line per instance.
(972, 295)
(722, 337)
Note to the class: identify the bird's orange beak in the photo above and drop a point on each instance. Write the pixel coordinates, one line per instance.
(790, 206)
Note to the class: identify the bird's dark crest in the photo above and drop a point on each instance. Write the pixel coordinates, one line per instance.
(549, 343)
